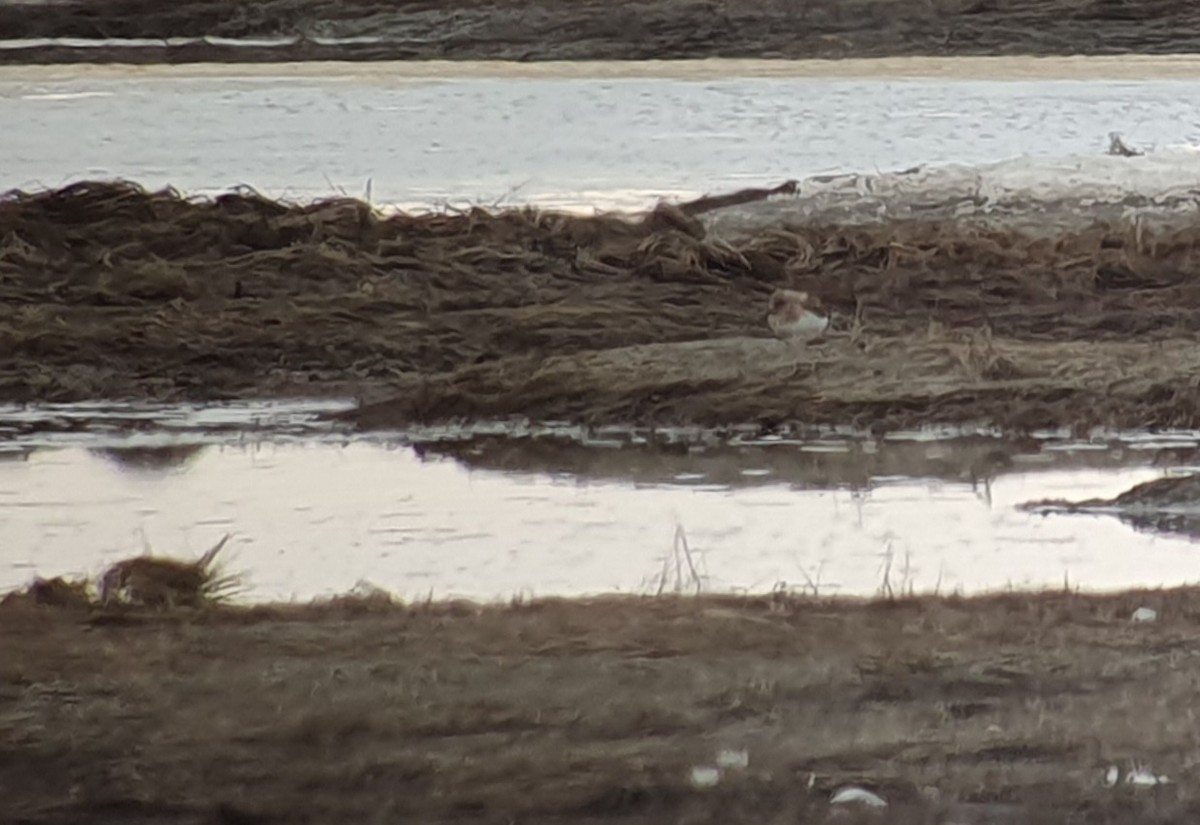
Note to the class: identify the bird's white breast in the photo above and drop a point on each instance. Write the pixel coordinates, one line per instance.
(809, 325)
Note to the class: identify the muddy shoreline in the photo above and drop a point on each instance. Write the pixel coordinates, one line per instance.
(1002, 709)
(110, 292)
(535, 30)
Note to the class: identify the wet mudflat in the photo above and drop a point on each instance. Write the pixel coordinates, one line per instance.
(112, 292)
(1014, 708)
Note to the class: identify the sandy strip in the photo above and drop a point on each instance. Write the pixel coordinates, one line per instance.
(1115, 67)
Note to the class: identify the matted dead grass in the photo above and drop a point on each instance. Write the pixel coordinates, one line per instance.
(161, 582)
(1006, 708)
(145, 581)
(529, 30)
(110, 291)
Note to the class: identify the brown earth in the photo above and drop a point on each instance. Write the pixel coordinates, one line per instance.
(599, 30)
(110, 292)
(1006, 709)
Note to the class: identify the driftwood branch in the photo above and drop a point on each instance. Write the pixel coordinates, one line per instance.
(710, 202)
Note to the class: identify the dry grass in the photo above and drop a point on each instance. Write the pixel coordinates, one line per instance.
(146, 581)
(570, 711)
(528, 30)
(152, 581)
(119, 292)
(55, 592)
(889, 383)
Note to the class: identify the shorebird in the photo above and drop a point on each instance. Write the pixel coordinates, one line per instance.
(797, 316)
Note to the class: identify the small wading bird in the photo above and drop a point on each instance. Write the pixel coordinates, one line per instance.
(797, 317)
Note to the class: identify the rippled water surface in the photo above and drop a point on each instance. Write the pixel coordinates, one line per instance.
(487, 133)
(314, 511)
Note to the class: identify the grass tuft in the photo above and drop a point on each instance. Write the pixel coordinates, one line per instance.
(149, 581)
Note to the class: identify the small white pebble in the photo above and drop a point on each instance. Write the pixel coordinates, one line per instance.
(705, 777)
(733, 760)
(1145, 778)
(1112, 776)
(1145, 614)
(854, 794)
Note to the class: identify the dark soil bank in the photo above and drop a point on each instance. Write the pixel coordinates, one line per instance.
(603, 30)
(107, 291)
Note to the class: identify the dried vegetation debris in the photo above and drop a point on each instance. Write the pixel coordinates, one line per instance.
(153, 581)
(145, 581)
(529, 30)
(112, 291)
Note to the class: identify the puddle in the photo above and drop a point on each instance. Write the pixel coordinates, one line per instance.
(557, 511)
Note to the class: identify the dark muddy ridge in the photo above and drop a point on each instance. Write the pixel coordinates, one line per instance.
(1164, 505)
(533, 30)
(116, 293)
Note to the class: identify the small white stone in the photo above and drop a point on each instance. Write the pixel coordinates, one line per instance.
(853, 794)
(705, 777)
(1112, 776)
(1145, 614)
(733, 760)
(1145, 778)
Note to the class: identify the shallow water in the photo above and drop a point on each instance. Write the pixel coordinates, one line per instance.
(578, 138)
(314, 511)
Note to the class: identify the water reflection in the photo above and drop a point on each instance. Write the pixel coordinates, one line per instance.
(161, 459)
(1182, 524)
(1170, 504)
(817, 464)
(489, 517)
